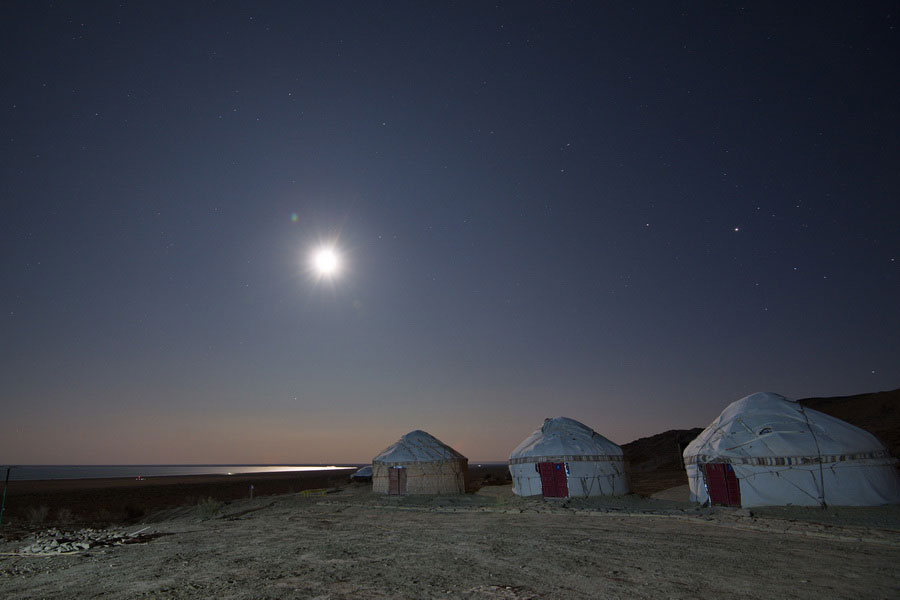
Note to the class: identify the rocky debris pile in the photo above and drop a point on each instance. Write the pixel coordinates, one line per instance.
(54, 541)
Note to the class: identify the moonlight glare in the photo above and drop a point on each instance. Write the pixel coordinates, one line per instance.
(325, 262)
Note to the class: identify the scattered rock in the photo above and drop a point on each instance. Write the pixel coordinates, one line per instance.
(54, 541)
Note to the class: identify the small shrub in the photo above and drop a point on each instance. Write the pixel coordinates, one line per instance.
(104, 515)
(209, 507)
(64, 516)
(133, 513)
(36, 514)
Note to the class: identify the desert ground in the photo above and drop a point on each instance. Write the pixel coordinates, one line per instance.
(346, 542)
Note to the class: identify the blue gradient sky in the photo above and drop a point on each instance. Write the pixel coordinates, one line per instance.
(630, 215)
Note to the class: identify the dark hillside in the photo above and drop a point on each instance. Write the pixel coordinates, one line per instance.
(659, 452)
(654, 463)
(877, 413)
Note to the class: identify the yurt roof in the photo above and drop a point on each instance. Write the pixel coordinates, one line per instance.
(561, 436)
(365, 471)
(769, 425)
(417, 446)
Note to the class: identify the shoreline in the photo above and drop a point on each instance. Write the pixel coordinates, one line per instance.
(79, 472)
(92, 501)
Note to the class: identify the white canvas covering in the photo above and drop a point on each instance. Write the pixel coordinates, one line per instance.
(431, 466)
(785, 454)
(417, 446)
(594, 465)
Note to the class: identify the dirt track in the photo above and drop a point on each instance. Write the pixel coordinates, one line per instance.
(487, 545)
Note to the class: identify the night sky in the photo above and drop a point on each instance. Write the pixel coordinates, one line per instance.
(631, 214)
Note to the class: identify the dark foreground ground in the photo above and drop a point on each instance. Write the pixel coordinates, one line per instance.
(352, 544)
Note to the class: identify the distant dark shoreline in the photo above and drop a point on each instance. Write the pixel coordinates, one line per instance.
(98, 501)
(77, 472)
(63, 472)
(72, 503)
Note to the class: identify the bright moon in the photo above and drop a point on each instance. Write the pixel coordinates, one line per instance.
(325, 261)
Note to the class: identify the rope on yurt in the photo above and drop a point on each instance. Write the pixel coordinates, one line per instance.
(818, 454)
(701, 474)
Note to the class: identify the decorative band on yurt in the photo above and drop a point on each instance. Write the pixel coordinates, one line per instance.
(574, 458)
(786, 460)
(404, 463)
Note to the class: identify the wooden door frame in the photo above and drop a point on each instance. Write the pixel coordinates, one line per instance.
(721, 480)
(397, 475)
(558, 479)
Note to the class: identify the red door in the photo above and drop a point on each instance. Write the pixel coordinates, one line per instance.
(554, 482)
(722, 484)
(396, 481)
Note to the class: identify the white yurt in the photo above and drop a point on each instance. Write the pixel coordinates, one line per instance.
(419, 463)
(767, 450)
(565, 458)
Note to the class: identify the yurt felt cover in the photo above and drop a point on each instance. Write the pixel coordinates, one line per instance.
(783, 453)
(595, 464)
(432, 467)
(417, 446)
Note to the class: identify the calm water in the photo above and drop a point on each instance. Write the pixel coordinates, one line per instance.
(28, 472)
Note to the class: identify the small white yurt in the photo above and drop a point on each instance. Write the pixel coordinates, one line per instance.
(363, 474)
(766, 450)
(565, 458)
(419, 463)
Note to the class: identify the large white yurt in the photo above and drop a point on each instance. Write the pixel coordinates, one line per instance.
(565, 458)
(419, 463)
(767, 450)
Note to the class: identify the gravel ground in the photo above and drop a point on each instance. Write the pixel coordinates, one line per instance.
(353, 544)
